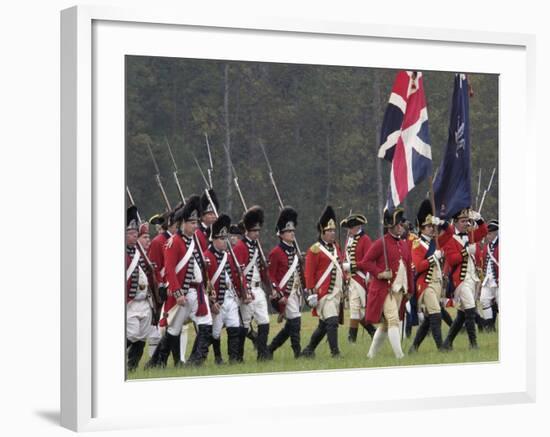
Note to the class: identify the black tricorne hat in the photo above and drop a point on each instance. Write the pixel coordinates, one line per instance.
(287, 221)
(220, 228)
(392, 218)
(353, 220)
(327, 220)
(425, 214)
(158, 219)
(253, 218)
(206, 206)
(132, 220)
(190, 211)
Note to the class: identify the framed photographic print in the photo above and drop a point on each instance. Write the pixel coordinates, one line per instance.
(171, 122)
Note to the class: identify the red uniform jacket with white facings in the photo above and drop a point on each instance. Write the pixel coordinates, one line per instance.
(213, 267)
(424, 267)
(317, 262)
(279, 264)
(156, 255)
(362, 245)
(456, 256)
(202, 236)
(374, 263)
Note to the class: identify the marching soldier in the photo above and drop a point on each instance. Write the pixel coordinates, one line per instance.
(247, 252)
(186, 297)
(489, 289)
(427, 259)
(460, 251)
(325, 279)
(224, 301)
(208, 217)
(357, 245)
(284, 272)
(236, 232)
(389, 283)
(138, 307)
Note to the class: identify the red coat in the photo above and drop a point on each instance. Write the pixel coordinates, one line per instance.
(361, 248)
(202, 237)
(241, 252)
(374, 263)
(485, 258)
(425, 267)
(456, 257)
(316, 265)
(213, 266)
(278, 267)
(156, 255)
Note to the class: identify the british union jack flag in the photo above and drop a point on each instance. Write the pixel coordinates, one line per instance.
(405, 138)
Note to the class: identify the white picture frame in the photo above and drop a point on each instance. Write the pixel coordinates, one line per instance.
(93, 42)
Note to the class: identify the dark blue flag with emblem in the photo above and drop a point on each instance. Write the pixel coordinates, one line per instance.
(452, 187)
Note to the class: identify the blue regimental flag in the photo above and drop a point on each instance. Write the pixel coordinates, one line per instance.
(452, 187)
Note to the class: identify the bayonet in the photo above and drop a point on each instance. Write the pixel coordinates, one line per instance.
(157, 178)
(175, 172)
(487, 190)
(200, 170)
(211, 168)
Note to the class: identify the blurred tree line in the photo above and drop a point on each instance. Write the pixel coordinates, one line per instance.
(320, 126)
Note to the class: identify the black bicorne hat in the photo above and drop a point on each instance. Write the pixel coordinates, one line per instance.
(392, 218)
(220, 228)
(189, 211)
(425, 214)
(327, 220)
(206, 206)
(287, 221)
(158, 219)
(492, 226)
(253, 218)
(132, 221)
(353, 220)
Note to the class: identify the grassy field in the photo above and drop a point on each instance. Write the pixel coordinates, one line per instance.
(352, 355)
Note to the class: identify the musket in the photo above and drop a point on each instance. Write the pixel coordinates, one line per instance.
(175, 172)
(200, 170)
(281, 206)
(155, 295)
(263, 259)
(242, 280)
(157, 178)
(211, 168)
(487, 190)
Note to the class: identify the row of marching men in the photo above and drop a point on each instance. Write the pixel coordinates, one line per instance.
(211, 274)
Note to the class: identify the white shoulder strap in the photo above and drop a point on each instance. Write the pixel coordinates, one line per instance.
(183, 262)
(132, 265)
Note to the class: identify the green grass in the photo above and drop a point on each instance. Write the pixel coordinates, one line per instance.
(352, 355)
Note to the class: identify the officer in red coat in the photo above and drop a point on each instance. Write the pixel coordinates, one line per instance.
(489, 288)
(357, 245)
(427, 260)
(284, 273)
(186, 296)
(248, 253)
(226, 286)
(325, 280)
(138, 307)
(389, 283)
(460, 265)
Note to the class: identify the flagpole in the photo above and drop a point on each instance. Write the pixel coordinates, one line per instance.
(432, 201)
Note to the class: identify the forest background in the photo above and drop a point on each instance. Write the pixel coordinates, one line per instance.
(320, 126)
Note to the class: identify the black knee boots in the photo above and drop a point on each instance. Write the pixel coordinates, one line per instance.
(453, 330)
(435, 327)
(204, 339)
(316, 337)
(295, 327)
(216, 346)
(470, 322)
(261, 343)
(332, 335)
(168, 343)
(233, 345)
(135, 352)
(421, 333)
